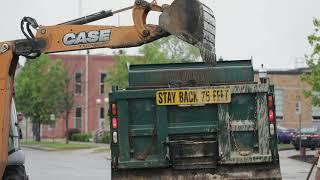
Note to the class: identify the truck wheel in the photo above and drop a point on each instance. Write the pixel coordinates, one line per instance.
(15, 172)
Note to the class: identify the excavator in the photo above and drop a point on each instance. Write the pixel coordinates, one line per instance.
(188, 20)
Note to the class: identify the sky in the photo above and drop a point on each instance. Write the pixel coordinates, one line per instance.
(272, 32)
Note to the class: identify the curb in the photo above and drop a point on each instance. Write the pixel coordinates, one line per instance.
(38, 148)
(285, 149)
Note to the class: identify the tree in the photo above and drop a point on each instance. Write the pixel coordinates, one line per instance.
(40, 91)
(165, 50)
(313, 78)
(68, 97)
(177, 50)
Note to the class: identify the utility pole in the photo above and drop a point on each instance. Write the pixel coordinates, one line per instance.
(298, 112)
(86, 109)
(87, 93)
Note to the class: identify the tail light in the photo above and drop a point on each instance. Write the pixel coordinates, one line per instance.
(114, 109)
(271, 116)
(270, 104)
(114, 123)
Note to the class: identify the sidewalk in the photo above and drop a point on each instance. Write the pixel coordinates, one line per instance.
(294, 169)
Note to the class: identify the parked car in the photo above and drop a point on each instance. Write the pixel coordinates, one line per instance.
(284, 135)
(310, 138)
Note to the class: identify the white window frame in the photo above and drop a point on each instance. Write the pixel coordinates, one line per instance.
(315, 114)
(78, 83)
(99, 116)
(282, 114)
(76, 118)
(102, 83)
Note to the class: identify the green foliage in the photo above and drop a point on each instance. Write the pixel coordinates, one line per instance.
(81, 137)
(40, 89)
(105, 138)
(177, 50)
(72, 131)
(313, 78)
(165, 50)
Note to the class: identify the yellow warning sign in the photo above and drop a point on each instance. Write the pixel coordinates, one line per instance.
(193, 96)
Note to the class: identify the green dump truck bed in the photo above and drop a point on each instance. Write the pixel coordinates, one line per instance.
(189, 121)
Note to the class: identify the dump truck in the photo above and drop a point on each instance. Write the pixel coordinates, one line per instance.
(193, 121)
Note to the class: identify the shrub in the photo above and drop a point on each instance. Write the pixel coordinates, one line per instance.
(73, 131)
(105, 138)
(82, 137)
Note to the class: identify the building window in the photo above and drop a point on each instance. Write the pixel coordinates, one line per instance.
(101, 118)
(78, 118)
(78, 83)
(103, 77)
(278, 95)
(315, 113)
(52, 125)
(102, 113)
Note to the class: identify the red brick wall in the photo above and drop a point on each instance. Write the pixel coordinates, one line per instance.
(76, 63)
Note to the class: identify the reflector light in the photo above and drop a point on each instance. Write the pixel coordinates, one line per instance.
(114, 109)
(114, 123)
(271, 116)
(115, 137)
(270, 102)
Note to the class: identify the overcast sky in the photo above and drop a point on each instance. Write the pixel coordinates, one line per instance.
(273, 32)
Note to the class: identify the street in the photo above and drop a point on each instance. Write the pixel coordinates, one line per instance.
(84, 165)
(67, 165)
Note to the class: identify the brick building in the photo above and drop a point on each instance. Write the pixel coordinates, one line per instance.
(90, 116)
(288, 92)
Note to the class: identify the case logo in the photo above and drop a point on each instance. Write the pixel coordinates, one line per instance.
(87, 37)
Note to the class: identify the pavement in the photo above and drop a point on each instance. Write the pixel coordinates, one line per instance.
(67, 165)
(293, 169)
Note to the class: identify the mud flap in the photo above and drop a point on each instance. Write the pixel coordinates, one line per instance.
(193, 22)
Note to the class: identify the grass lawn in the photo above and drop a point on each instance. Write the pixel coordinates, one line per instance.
(57, 145)
(101, 150)
(285, 146)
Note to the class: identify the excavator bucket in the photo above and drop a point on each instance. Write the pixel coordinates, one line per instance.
(193, 22)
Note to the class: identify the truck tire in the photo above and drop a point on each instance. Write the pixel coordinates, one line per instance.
(15, 172)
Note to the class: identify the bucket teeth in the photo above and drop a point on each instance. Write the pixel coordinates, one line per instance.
(193, 22)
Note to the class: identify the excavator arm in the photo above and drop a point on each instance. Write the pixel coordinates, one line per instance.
(188, 20)
(74, 35)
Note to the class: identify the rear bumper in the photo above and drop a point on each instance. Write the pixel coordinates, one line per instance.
(254, 171)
